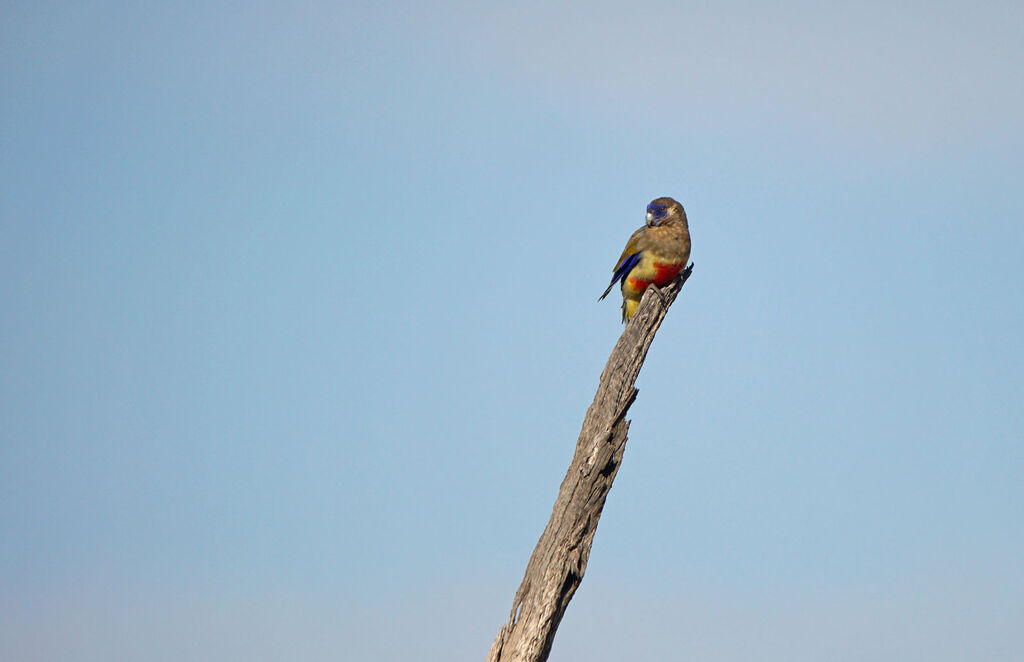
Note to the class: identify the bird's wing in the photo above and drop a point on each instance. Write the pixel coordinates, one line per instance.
(632, 247)
(629, 258)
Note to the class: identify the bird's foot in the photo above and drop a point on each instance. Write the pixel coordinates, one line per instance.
(657, 290)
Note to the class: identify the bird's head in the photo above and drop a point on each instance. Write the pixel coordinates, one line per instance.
(664, 211)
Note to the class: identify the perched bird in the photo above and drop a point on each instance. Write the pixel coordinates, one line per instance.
(656, 253)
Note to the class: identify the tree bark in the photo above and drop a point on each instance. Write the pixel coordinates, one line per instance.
(558, 562)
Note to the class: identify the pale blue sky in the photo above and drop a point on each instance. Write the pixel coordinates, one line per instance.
(298, 324)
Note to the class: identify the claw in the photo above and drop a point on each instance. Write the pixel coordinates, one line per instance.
(657, 290)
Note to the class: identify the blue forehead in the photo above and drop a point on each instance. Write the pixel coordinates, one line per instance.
(656, 209)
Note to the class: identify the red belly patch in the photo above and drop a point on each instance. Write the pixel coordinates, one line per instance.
(664, 273)
(637, 285)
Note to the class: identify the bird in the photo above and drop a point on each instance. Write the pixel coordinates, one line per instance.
(655, 254)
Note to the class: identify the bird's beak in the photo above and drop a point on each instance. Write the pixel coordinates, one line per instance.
(650, 219)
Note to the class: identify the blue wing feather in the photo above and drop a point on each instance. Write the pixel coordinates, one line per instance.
(624, 268)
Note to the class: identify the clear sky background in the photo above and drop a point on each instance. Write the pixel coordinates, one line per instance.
(299, 321)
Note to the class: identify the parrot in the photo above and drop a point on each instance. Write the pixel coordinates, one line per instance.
(656, 253)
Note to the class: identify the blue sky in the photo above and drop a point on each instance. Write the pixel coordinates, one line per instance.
(298, 324)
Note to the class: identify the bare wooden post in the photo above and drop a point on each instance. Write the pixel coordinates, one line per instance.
(556, 567)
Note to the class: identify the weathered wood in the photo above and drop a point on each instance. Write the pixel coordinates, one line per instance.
(558, 562)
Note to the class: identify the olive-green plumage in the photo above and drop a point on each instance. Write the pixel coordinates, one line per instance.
(656, 253)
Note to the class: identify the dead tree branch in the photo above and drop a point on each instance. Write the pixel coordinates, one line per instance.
(558, 562)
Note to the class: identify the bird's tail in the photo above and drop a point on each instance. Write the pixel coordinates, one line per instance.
(629, 307)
